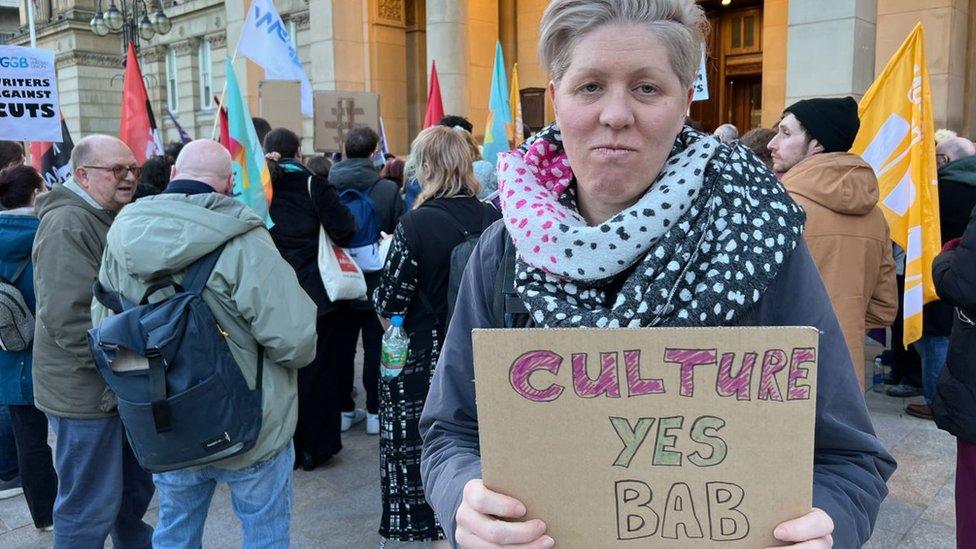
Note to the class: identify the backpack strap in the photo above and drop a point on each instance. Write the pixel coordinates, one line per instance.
(508, 311)
(197, 273)
(113, 301)
(450, 215)
(21, 267)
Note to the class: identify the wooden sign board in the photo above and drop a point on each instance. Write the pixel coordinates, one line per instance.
(684, 437)
(337, 112)
(280, 104)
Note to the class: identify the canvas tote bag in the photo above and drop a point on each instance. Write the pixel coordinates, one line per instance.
(342, 278)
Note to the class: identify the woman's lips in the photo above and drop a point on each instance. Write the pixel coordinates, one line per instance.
(613, 151)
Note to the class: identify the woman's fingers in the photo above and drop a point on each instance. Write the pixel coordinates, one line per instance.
(810, 527)
(505, 533)
(478, 525)
(487, 502)
(467, 540)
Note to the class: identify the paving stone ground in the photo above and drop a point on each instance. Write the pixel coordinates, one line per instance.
(338, 505)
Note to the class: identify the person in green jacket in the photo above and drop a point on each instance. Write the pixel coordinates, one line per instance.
(256, 298)
(101, 488)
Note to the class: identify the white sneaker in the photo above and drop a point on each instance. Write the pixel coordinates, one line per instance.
(372, 424)
(351, 418)
(11, 488)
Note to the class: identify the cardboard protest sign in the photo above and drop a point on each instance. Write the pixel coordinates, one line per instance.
(278, 101)
(29, 109)
(337, 112)
(694, 437)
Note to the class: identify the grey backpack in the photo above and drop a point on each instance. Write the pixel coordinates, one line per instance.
(16, 318)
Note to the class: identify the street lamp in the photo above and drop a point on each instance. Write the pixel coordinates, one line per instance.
(125, 18)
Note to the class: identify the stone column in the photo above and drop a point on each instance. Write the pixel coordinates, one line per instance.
(447, 44)
(830, 48)
(947, 36)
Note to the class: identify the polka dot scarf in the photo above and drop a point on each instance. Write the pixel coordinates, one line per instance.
(697, 249)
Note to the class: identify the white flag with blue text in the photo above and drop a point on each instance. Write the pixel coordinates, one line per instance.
(265, 40)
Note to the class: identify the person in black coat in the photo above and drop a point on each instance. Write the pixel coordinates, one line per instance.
(954, 271)
(301, 204)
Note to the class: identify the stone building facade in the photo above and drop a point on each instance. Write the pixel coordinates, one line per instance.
(803, 48)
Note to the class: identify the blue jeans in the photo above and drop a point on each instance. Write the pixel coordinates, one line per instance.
(261, 496)
(933, 350)
(102, 490)
(8, 447)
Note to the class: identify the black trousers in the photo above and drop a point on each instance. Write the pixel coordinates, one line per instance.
(907, 365)
(365, 322)
(317, 432)
(36, 463)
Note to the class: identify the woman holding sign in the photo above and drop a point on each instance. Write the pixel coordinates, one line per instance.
(621, 216)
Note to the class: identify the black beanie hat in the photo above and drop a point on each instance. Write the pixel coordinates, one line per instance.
(832, 122)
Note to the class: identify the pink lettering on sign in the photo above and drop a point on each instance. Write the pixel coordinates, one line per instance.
(688, 359)
(523, 368)
(727, 385)
(795, 391)
(605, 382)
(773, 362)
(636, 385)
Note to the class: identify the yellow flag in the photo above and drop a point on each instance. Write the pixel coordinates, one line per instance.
(515, 100)
(897, 139)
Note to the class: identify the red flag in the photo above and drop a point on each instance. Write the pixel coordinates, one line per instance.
(137, 126)
(435, 107)
(224, 125)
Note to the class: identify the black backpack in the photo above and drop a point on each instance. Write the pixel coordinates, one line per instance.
(459, 258)
(182, 397)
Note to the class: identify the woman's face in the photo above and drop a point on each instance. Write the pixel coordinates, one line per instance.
(619, 106)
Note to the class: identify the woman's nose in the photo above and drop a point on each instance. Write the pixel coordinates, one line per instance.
(617, 111)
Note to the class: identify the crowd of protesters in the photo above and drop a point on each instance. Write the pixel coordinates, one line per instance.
(826, 260)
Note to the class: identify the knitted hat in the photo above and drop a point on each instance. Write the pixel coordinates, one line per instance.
(832, 122)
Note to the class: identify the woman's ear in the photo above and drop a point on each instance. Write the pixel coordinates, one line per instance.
(551, 89)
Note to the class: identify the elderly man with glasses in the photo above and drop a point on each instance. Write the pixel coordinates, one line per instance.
(102, 490)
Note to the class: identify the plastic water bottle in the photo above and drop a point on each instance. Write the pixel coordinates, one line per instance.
(878, 378)
(393, 356)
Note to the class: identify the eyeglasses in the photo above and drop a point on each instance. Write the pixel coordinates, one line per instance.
(119, 171)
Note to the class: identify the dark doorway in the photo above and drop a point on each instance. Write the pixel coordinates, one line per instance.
(745, 101)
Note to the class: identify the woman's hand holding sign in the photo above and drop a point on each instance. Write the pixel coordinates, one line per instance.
(483, 521)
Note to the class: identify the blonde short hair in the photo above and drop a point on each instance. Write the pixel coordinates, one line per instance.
(440, 159)
(680, 24)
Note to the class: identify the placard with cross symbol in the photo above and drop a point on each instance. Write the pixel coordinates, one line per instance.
(337, 112)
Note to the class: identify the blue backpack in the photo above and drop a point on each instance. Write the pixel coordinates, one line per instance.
(365, 245)
(181, 395)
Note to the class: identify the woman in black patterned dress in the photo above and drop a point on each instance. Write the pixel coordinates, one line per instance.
(414, 284)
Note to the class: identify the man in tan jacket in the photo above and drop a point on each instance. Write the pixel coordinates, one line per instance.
(846, 232)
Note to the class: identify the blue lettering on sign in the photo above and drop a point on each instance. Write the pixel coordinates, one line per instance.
(13, 62)
(277, 29)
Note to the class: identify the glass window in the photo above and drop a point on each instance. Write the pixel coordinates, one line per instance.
(206, 76)
(172, 83)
